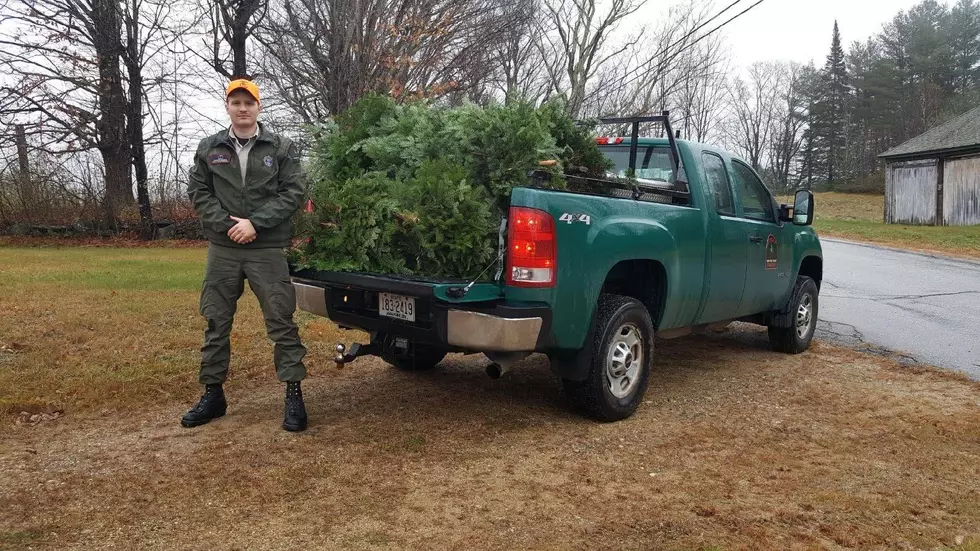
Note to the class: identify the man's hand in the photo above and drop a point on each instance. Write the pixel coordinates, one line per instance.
(243, 232)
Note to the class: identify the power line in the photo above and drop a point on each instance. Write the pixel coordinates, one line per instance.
(686, 47)
(683, 38)
(699, 39)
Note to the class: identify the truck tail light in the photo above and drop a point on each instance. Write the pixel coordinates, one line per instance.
(532, 248)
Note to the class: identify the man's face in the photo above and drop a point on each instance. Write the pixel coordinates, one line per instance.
(242, 108)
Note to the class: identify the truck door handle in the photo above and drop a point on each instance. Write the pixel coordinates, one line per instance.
(756, 239)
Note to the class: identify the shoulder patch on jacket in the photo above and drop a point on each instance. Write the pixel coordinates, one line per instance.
(219, 158)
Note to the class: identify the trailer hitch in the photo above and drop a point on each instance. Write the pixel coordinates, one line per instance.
(357, 350)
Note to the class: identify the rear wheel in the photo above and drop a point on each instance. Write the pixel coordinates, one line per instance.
(791, 331)
(622, 356)
(419, 358)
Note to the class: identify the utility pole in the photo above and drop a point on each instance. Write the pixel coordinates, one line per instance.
(26, 189)
(22, 150)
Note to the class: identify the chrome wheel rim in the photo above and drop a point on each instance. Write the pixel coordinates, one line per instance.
(804, 315)
(624, 361)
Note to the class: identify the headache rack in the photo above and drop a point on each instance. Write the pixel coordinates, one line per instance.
(674, 192)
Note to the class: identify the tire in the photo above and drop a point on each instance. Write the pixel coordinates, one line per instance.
(422, 358)
(791, 330)
(623, 329)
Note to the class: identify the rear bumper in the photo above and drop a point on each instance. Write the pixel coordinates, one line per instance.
(470, 327)
(489, 333)
(311, 299)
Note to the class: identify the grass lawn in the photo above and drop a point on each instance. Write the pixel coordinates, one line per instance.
(734, 446)
(859, 217)
(114, 327)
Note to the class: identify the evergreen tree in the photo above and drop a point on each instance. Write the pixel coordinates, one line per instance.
(829, 115)
(810, 89)
(964, 39)
(922, 69)
(835, 80)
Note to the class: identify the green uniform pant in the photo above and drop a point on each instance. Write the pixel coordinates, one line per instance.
(268, 277)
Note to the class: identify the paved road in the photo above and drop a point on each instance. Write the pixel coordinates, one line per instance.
(922, 307)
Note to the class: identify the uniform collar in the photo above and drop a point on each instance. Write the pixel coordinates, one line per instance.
(233, 136)
(227, 136)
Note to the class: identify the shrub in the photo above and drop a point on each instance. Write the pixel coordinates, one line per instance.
(418, 190)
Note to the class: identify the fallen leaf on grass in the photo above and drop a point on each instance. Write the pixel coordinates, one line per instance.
(33, 419)
(13, 347)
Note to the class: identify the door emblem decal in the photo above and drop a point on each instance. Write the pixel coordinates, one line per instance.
(772, 254)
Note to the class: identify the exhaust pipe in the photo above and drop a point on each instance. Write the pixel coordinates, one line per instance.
(501, 362)
(495, 370)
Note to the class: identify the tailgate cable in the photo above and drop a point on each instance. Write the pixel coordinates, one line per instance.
(460, 292)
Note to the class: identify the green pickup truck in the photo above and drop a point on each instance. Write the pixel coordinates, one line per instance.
(681, 238)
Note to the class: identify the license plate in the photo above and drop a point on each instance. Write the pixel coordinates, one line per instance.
(396, 306)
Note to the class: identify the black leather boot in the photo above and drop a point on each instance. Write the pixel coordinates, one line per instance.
(211, 406)
(295, 411)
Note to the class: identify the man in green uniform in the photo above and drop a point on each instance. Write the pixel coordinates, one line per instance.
(246, 185)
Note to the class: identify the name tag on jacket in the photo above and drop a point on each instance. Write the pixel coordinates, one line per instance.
(219, 158)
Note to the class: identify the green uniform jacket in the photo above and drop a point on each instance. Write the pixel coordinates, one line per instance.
(273, 190)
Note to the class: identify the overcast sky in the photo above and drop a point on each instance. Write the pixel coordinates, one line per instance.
(799, 30)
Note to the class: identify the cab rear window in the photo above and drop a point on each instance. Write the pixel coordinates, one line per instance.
(652, 162)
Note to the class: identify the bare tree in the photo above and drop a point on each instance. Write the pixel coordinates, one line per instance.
(788, 123)
(232, 22)
(322, 55)
(144, 20)
(79, 78)
(63, 63)
(753, 112)
(669, 69)
(767, 117)
(574, 39)
(517, 56)
(701, 75)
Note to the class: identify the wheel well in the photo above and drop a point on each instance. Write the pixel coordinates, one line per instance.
(644, 280)
(812, 266)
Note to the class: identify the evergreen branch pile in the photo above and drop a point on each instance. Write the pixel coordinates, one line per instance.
(411, 189)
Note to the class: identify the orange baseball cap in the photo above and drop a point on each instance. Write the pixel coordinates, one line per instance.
(243, 84)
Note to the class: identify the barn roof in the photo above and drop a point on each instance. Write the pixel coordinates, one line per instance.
(959, 134)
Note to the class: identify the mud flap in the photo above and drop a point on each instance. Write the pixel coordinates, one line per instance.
(574, 365)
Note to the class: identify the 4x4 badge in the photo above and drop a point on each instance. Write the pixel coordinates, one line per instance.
(573, 217)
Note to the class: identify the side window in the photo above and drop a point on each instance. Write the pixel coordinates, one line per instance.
(718, 186)
(756, 201)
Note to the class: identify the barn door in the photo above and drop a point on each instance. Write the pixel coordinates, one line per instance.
(910, 189)
(961, 192)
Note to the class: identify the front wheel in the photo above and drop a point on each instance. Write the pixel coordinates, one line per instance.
(792, 330)
(622, 356)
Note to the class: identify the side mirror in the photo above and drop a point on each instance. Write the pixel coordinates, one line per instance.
(784, 211)
(803, 208)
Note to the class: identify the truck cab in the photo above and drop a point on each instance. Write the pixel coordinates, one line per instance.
(751, 244)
